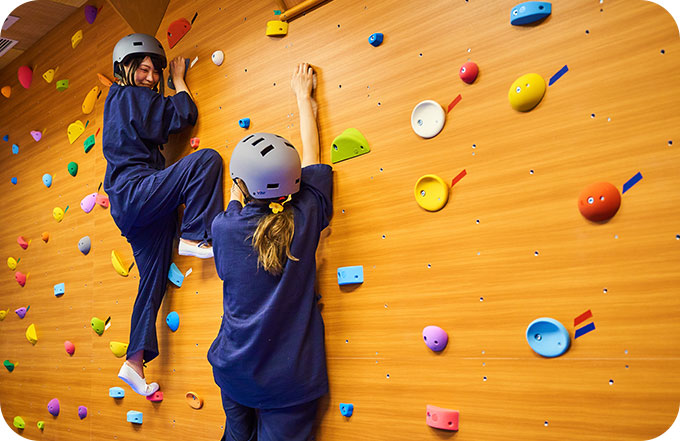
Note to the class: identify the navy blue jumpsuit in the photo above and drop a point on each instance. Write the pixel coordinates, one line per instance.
(144, 195)
(269, 357)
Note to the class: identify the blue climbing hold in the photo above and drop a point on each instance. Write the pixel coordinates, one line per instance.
(47, 180)
(14, 180)
(175, 275)
(244, 122)
(15, 149)
(5, 138)
(134, 416)
(548, 337)
(376, 39)
(350, 274)
(173, 321)
(59, 289)
(116, 392)
(346, 409)
(529, 12)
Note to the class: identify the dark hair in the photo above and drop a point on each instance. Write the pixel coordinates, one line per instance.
(133, 62)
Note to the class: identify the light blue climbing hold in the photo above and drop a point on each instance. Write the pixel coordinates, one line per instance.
(346, 409)
(244, 123)
(135, 417)
(548, 337)
(59, 289)
(47, 180)
(15, 149)
(14, 180)
(175, 275)
(350, 274)
(173, 321)
(529, 12)
(116, 392)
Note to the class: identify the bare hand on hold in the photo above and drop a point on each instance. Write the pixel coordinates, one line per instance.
(302, 80)
(177, 69)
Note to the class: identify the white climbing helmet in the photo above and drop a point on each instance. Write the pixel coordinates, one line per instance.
(134, 44)
(268, 164)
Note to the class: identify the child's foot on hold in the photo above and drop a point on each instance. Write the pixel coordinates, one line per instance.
(202, 250)
(132, 377)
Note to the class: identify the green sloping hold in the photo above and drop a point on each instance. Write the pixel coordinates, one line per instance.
(349, 144)
(19, 422)
(9, 365)
(89, 143)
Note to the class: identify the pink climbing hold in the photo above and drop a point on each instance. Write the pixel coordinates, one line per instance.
(88, 202)
(20, 278)
(441, 418)
(102, 200)
(25, 75)
(22, 242)
(70, 347)
(36, 135)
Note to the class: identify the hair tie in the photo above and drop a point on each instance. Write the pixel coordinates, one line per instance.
(277, 207)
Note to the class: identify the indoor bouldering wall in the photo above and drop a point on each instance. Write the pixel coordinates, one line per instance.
(510, 246)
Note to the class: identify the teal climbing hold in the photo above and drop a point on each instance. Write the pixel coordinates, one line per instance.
(72, 168)
(89, 143)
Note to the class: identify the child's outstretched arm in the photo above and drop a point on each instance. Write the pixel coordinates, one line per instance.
(177, 67)
(302, 84)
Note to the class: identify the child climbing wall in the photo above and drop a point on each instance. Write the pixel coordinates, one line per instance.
(510, 245)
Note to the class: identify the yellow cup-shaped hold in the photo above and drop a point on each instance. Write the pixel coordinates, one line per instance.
(58, 214)
(32, 334)
(526, 92)
(76, 39)
(119, 349)
(431, 192)
(88, 102)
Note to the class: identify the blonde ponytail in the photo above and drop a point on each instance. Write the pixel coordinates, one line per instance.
(272, 239)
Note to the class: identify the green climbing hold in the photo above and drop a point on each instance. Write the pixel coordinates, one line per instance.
(19, 422)
(72, 168)
(41, 425)
(9, 365)
(89, 143)
(62, 85)
(349, 144)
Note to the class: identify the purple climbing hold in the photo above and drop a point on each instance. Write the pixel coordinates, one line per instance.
(53, 407)
(21, 312)
(82, 412)
(435, 338)
(90, 13)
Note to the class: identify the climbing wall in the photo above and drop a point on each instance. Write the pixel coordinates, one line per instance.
(510, 246)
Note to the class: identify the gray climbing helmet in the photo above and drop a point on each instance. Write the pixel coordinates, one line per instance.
(268, 164)
(134, 44)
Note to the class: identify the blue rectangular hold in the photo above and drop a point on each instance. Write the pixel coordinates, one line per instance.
(59, 289)
(350, 274)
(584, 330)
(134, 416)
(632, 181)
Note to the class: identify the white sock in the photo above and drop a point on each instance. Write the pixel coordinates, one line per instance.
(137, 383)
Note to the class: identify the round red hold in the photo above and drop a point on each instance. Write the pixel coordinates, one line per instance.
(599, 202)
(468, 72)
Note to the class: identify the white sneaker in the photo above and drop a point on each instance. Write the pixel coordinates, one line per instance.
(137, 383)
(202, 250)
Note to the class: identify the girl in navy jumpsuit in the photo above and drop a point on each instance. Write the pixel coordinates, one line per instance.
(145, 195)
(269, 357)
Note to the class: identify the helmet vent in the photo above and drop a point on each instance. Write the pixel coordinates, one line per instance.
(267, 150)
(137, 43)
(289, 145)
(246, 139)
(258, 141)
(272, 186)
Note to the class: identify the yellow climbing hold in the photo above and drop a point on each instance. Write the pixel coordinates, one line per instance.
(75, 129)
(32, 334)
(119, 349)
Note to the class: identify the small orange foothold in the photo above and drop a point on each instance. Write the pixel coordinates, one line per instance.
(195, 142)
(46, 236)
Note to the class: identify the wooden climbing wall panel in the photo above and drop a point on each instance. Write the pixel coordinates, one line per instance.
(509, 247)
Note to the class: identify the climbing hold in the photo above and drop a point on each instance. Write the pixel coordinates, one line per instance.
(6, 91)
(45, 236)
(104, 80)
(349, 144)
(49, 75)
(194, 400)
(62, 85)
(9, 365)
(346, 409)
(15, 149)
(376, 39)
(25, 75)
(175, 275)
(84, 244)
(47, 180)
(468, 72)
(156, 396)
(435, 338)
(72, 168)
(350, 274)
(194, 142)
(58, 214)
(89, 143)
(277, 28)
(14, 180)
(171, 84)
(526, 92)
(5, 138)
(177, 30)
(116, 392)
(173, 321)
(21, 312)
(53, 407)
(102, 200)
(135, 417)
(37, 135)
(70, 347)
(90, 13)
(218, 57)
(119, 349)
(427, 118)
(441, 418)
(88, 202)
(82, 412)
(12, 263)
(529, 12)
(20, 278)
(118, 264)
(59, 289)
(99, 325)
(244, 123)
(19, 422)
(32, 334)
(90, 98)
(599, 201)
(22, 242)
(3, 314)
(41, 425)
(431, 192)
(76, 38)
(75, 129)
(548, 337)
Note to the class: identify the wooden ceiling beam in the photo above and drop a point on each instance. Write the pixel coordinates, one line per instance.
(144, 17)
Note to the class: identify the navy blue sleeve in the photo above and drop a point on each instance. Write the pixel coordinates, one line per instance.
(155, 117)
(234, 208)
(317, 184)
